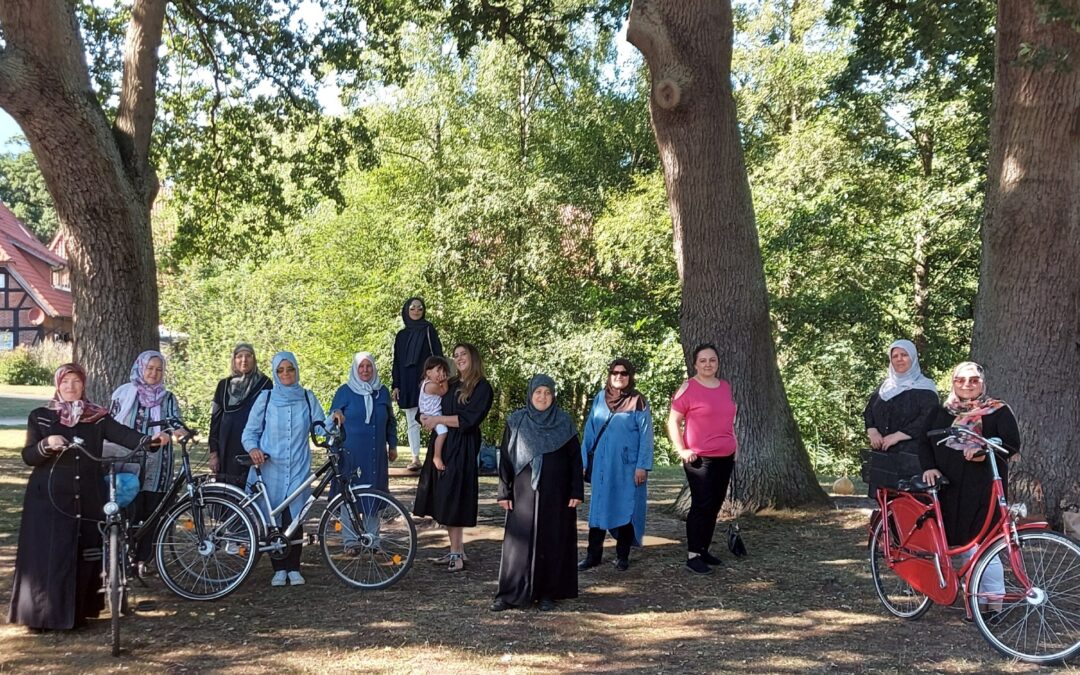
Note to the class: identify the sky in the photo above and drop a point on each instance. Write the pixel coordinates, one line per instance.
(9, 128)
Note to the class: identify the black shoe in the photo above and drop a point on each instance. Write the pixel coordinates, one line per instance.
(587, 563)
(622, 564)
(546, 605)
(710, 559)
(698, 566)
(499, 605)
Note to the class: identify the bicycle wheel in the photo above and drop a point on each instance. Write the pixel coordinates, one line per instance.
(205, 552)
(899, 598)
(373, 548)
(113, 591)
(1043, 625)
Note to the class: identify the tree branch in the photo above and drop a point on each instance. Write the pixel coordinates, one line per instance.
(138, 93)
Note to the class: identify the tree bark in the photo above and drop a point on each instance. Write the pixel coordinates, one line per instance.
(687, 45)
(1028, 305)
(98, 175)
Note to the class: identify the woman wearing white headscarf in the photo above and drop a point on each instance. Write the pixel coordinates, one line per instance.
(896, 416)
(363, 405)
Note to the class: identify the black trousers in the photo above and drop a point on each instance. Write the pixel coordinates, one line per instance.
(708, 478)
(291, 562)
(624, 539)
(139, 510)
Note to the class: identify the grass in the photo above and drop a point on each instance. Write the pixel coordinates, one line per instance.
(801, 602)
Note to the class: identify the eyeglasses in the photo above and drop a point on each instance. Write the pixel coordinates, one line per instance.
(619, 373)
(974, 379)
(419, 308)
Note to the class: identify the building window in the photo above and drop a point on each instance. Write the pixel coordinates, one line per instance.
(3, 280)
(61, 279)
(7, 341)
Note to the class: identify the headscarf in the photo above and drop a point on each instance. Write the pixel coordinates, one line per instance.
(365, 389)
(628, 399)
(73, 412)
(150, 395)
(897, 383)
(534, 433)
(283, 395)
(417, 332)
(242, 384)
(969, 414)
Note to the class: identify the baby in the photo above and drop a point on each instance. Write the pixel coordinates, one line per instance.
(432, 389)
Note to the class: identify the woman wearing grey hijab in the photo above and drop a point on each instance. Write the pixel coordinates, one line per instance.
(229, 413)
(540, 488)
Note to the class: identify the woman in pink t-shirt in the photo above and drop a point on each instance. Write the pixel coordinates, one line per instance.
(702, 430)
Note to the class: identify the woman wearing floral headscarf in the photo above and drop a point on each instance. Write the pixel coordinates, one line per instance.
(136, 404)
(413, 345)
(896, 415)
(540, 487)
(363, 405)
(56, 586)
(276, 438)
(229, 413)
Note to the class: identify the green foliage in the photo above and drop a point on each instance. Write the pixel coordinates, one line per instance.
(22, 189)
(20, 367)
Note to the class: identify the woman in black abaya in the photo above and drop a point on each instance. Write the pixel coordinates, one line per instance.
(540, 487)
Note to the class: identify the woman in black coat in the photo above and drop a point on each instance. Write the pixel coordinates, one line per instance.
(56, 586)
(229, 413)
(413, 345)
(450, 495)
(540, 488)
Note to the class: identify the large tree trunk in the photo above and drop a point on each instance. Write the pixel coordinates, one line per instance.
(98, 174)
(687, 45)
(1028, 305)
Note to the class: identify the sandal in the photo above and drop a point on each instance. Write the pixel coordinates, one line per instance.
(445, 558)
(456, 562)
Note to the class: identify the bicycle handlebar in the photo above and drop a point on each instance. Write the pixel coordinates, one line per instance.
(174, 424)
(332, 436)
(988, 444)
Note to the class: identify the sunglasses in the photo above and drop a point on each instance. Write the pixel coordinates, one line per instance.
(416, 307)
(974, 379)
(619, 373)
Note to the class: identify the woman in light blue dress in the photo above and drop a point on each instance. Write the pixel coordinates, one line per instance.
(276, 437)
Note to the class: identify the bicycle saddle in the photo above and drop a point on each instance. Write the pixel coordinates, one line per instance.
(917, 484)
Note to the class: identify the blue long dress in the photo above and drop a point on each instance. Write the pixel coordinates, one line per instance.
(366, 443)
(625, 446)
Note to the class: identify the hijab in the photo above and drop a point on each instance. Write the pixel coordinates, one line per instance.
(897, 383)
(283, 395)
(73, 412)
(150, 395)
(241, 385)
(628, 399)
(417, 334)
(534, 433)
(361, 388)
(969, 414)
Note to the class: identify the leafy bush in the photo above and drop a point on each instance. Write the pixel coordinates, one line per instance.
(20, 367)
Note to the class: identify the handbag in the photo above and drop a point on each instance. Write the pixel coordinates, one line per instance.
(592, 450)
(734, 537)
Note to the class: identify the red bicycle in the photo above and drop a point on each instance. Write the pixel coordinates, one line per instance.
(1020, 581)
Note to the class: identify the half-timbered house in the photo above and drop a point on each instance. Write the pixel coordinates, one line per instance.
(35, 290)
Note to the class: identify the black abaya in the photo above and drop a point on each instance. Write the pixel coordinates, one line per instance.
(227, 427)
(539, 550)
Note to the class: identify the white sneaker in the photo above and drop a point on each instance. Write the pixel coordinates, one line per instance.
(278, 578)
(295, 579)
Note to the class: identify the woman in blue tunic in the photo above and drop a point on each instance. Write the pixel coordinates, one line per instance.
(276, 437)
(363, 406)
(619, 436)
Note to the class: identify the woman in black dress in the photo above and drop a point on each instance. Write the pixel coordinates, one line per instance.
(450, 496)
(413, 345)
(540, 488)
(56, 586)
(896, 418)
(229, 413)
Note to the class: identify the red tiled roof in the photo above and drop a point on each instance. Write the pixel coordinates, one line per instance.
(31, 263)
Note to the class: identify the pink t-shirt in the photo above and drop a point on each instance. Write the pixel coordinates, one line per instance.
(710, 419)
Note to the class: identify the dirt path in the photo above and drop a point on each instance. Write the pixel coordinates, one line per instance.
(801, 602)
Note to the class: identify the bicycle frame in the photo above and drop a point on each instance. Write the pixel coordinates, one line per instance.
(1000, 523)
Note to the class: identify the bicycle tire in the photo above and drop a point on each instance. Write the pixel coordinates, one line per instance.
(210, 567)
(1043, 628)
(363, 556)
(114, 592)
(896, 594)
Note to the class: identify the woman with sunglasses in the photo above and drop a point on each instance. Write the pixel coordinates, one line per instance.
(618, 455)
(895, 418)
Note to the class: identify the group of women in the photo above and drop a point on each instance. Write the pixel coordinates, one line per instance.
(264, 419)
(899, 417)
